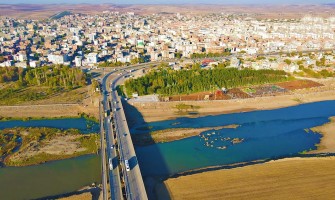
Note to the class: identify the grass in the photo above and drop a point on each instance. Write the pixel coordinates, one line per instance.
(298, 100)
(89, 142)
(10, 95)
(80, 115)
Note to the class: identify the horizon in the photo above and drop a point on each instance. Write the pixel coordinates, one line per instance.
(170, 2)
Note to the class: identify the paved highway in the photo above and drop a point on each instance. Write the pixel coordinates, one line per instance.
(131, 174)
(114, 175)
(103, 157)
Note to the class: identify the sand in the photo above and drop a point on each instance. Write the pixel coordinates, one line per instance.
(327, 143)
(301, 178)
(84, 196)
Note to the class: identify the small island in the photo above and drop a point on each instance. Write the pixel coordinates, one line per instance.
(172, 134)
(32, 145)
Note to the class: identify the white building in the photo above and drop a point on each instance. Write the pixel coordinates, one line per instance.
(56, 59)
(92, 58)
(78, 61)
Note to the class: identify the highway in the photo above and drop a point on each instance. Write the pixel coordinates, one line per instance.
(133, 179)
(103, 157)
(114, 175)
(123, 148)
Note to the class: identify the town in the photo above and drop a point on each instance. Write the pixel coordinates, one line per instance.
(166, 101)
(114, 39)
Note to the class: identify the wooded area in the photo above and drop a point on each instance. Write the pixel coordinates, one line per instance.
(169, 82)
(53, 76)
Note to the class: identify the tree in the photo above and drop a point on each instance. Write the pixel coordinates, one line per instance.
(288, 61)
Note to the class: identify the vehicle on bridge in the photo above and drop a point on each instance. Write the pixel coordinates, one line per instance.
(126, 163)
(110, 164)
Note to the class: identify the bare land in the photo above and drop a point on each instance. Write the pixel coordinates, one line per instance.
(158, 111)
(84, 196)
(43, 11)
(327, 144)
(297, 178)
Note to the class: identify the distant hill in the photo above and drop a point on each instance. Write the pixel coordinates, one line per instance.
(46, 11)
(61, 14)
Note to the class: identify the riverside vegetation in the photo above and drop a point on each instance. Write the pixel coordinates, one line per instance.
(21, 85)
(30, 146)
(166, 81)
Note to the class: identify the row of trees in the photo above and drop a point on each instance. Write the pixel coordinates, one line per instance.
(210, 55)
(120, 64)
(52, 76)
(169, 82)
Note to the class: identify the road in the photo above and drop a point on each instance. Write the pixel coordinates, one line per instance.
(103, 157)
(114, 175)
(123, 148)
(132, 177)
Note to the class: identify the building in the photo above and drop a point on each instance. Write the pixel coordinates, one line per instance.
(92, 58)
(78, 61)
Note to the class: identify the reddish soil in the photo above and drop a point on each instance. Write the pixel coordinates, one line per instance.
(218, 95)
(236, 93)
(299, 84)
(200, 96)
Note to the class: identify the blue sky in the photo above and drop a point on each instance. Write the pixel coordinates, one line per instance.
(168, 1)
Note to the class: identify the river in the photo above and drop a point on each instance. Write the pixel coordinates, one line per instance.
(52, 178)
(265, 134)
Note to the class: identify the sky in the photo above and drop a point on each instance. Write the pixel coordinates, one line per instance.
(168, 1)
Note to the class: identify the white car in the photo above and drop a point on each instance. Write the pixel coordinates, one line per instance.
(126, 163)
(110, 164)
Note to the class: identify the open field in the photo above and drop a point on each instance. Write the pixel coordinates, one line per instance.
(259, 11)
(296, 178)
(157, 111)
(299, 84)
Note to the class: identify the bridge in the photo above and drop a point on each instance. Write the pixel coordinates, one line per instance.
(119, 161)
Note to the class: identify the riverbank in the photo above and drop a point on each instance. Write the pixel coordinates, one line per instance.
(291, 178)
(57, 106)
(31, 146)
(327, 143)
(159, 111)
(169, 135)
